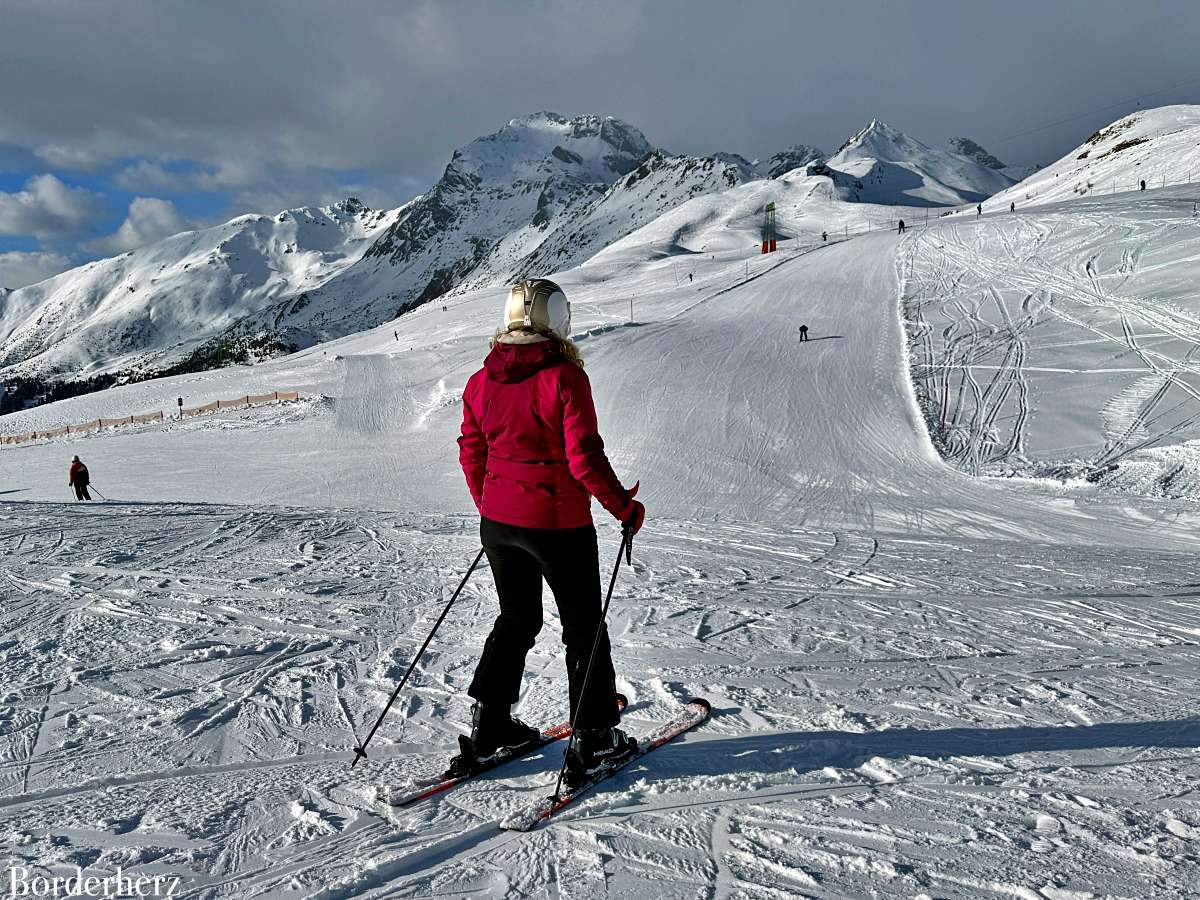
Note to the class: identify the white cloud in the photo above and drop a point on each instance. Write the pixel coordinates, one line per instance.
(150, 219)
(20, 269)
(47, 208)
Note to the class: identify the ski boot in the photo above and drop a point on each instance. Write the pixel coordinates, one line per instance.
(493, 728)
(594, 748)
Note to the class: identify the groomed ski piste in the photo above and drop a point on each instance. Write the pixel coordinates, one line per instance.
(929, 677)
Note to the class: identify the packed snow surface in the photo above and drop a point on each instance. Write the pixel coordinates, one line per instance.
(1063, 335)
(924, 683)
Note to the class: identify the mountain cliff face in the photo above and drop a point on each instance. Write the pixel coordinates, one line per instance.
(889, 167)
(792, 158)
(966, 147)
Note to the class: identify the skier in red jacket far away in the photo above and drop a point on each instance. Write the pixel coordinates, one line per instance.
(78, 478)
(533, 459)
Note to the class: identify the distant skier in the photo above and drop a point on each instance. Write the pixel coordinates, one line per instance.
(824, 236)
(396, 335)
(1012, 207)
(901, 228)
(533, 458)
(1143, 184)
(689, 277)
(979, 209)
(78, 478)
(804, 332)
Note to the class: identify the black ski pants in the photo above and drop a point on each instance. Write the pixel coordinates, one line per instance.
(569, 561)
(81, 491)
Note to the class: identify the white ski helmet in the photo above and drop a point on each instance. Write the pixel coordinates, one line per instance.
(538, 304)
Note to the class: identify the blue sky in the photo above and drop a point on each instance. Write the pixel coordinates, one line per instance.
(124, 121)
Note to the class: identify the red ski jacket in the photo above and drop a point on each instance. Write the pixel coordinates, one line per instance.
(530, 447)
(78, 474)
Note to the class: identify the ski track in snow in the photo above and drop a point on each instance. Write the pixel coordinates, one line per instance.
(1080, 316)
(953, 717)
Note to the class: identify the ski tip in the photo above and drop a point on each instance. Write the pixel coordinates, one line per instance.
(702, 703)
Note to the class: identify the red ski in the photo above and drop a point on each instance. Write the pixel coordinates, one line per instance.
(425, 789)
(695, 713)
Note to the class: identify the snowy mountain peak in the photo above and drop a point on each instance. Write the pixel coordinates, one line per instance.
(618, 134)
(880, 141)
(352, 206)
(589, 148)
(966, 147)
(887, 166)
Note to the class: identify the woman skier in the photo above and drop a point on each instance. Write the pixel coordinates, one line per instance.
(533, 459)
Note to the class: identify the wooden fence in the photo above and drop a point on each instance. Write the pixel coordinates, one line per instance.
(98, 424)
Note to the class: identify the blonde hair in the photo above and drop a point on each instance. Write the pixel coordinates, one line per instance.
(564, 347)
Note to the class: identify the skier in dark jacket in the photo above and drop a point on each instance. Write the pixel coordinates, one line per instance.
(533, 459)
(900, 230)
(78, 478)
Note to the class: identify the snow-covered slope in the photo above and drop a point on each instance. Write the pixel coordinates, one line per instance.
(924, 683)
(1155, 145)
(889, 167)
(155, 304)
(730, 221)
(661, 183)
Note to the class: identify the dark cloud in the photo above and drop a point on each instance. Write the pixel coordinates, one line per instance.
(272, 99)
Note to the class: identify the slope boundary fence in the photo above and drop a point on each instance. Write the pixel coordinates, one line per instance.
(97, 425)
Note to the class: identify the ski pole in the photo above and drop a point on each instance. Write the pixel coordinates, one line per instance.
(98, 494)
(360, 752)
(626, 550)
